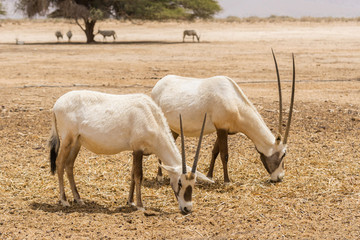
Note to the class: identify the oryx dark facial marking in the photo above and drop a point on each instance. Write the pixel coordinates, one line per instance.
(189, 188)
(273, 162)
(188, 194)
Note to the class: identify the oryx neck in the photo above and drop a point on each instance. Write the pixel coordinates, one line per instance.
(168, 152)
(255, 128)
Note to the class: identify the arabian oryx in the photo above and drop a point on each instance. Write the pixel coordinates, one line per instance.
(58, 35)
(69, 35)
(109, 124)
(107, 33)
(191, 33)
(229, 112)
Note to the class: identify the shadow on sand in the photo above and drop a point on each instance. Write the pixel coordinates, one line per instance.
(90, 207)
(106, 43)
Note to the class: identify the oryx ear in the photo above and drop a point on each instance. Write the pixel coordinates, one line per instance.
(200, 176)
(171, 169)
(203, 178)
(278, 139)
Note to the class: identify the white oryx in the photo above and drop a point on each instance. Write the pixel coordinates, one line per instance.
(107, 33)
(58, 35)
(69, 35)
(229, 111)
(191, 33)
(109, 124)
(19, 42)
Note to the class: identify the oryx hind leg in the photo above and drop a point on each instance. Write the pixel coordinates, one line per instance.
(64, 152)
(69, 167)
(136, 179)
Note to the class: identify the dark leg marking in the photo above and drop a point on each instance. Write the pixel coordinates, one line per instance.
(215, 153)
(223, 146)
(136, 178)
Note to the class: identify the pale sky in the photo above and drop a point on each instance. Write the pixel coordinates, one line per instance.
(265, 8)
(292, 8)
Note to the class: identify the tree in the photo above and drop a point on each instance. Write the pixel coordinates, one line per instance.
(2, 11)
(90, 11)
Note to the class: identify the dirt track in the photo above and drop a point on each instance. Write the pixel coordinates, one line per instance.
(319, 197)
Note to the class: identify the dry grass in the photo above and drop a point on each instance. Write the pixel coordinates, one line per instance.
(319, 197)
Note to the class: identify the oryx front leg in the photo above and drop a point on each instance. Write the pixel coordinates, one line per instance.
(215, 153)
(69, 167)
(136, 179)
(223, 147)
(65, 149)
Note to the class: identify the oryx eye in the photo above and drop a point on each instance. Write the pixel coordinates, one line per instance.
(179, 184)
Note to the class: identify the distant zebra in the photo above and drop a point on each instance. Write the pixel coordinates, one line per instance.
(58, 35)
(69, 35)
(191, 33)
(107, 33)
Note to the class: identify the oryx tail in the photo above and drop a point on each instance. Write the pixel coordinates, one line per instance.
(54, 144)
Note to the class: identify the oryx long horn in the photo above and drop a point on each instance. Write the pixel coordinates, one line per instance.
(182, 147)
(196, 159)
(291, 103)
(280, 97)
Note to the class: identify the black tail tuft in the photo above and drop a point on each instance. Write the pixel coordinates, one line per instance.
(53, 155)
(54, 149)
(54, 143)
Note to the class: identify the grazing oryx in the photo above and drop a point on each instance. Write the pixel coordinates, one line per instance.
(58, 35)
(229, 112)
(109, 124)
(107, 33)
(192, 34)
(19, 42)
(69, 35)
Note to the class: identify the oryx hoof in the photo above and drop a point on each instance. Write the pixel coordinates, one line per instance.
(160, 178)
(64, 203)
(80, 202)
(227, 183)
(141, 209)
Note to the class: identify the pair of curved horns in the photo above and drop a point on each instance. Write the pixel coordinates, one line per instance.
(196, 158)
(280, 99)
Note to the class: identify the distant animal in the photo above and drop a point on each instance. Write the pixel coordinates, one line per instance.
(191, 33)
(19, 42)
(229, 112)
(107, 33)
(109, 124)
(58, 35)
(69, 35)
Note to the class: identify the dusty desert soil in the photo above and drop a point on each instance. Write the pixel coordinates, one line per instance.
(318, 199)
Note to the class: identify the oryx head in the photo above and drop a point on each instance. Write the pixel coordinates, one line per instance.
(274, 163)
(183, 183)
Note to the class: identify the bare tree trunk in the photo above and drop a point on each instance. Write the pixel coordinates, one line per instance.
(88, 30)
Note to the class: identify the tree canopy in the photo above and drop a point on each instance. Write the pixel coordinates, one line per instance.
(90, 11)
(2, 11)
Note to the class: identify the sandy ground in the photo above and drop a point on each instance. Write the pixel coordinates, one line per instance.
(319, 197)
